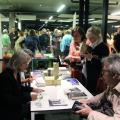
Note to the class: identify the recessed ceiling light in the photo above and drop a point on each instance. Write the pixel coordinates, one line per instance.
(51, 17)
(46, 22)
(40, 5)
(116, 13)
(16, 21)
(61, 8)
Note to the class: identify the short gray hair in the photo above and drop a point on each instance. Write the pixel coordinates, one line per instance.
(17, 59)
(114, 63)
(5, 31)
(94, 32)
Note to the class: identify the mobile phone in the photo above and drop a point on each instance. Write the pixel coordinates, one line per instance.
(77, 106)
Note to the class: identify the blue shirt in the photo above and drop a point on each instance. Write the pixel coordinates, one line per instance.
(66, 40)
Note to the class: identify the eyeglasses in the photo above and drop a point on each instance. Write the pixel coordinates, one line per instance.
(107, 72)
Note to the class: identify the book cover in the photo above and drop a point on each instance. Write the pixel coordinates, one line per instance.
(57, 102)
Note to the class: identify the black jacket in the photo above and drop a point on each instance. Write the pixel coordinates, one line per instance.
(94, 66)
(12, 96)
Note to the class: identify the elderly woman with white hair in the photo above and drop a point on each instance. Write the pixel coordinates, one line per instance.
(111, 75)
(13, 94)
(93, 59)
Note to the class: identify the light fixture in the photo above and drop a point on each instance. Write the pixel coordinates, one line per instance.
(91, 19)
(116, 13)
(46, 22)
(61, 8)
(51, 17)
(113, 3)
(40, 5)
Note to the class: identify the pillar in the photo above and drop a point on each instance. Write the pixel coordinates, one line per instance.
(1, 56)
(81, 13)
(19, 25)
(11, 20)
(105, 19)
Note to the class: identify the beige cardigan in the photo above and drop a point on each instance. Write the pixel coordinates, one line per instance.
(114, 98)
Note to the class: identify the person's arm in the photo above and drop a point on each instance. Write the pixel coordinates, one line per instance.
(94, 115)
(8, 95)
(94, 99)
(30, 79)
(62, 45)
(72, 55)
(26, 89)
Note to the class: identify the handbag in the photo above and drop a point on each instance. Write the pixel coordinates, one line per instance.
(104, 107)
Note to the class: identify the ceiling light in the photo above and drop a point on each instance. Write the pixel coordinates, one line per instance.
(16, 21)
(46, 22)
(60, 8)
(116, 13)
(51, 17)
(40, 5)
(113, 3)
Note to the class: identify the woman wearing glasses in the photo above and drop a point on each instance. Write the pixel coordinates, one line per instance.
(111, 96)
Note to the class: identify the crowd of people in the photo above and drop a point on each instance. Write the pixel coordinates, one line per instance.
(87, 55)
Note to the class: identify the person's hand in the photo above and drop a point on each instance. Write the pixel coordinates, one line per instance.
(69, 57)
(33, 96)
(88, 56)
(72, 59)
(37, 90)
(85, 111)
(30, 79)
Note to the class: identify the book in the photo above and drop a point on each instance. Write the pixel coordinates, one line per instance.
(75, 94)
(57, 102)
(73, 81)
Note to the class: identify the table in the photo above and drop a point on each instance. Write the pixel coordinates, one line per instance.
(54, 92)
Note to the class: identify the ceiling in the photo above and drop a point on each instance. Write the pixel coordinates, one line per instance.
(41, 10)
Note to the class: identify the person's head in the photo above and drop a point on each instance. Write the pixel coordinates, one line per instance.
(111, 70)
(118, 29)
(93, 34)
(68, 31)
(12, 29)
(21, 34)
(5, 31)
(32, 32)
(19, 61)
(44, 31)
(78, 35)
